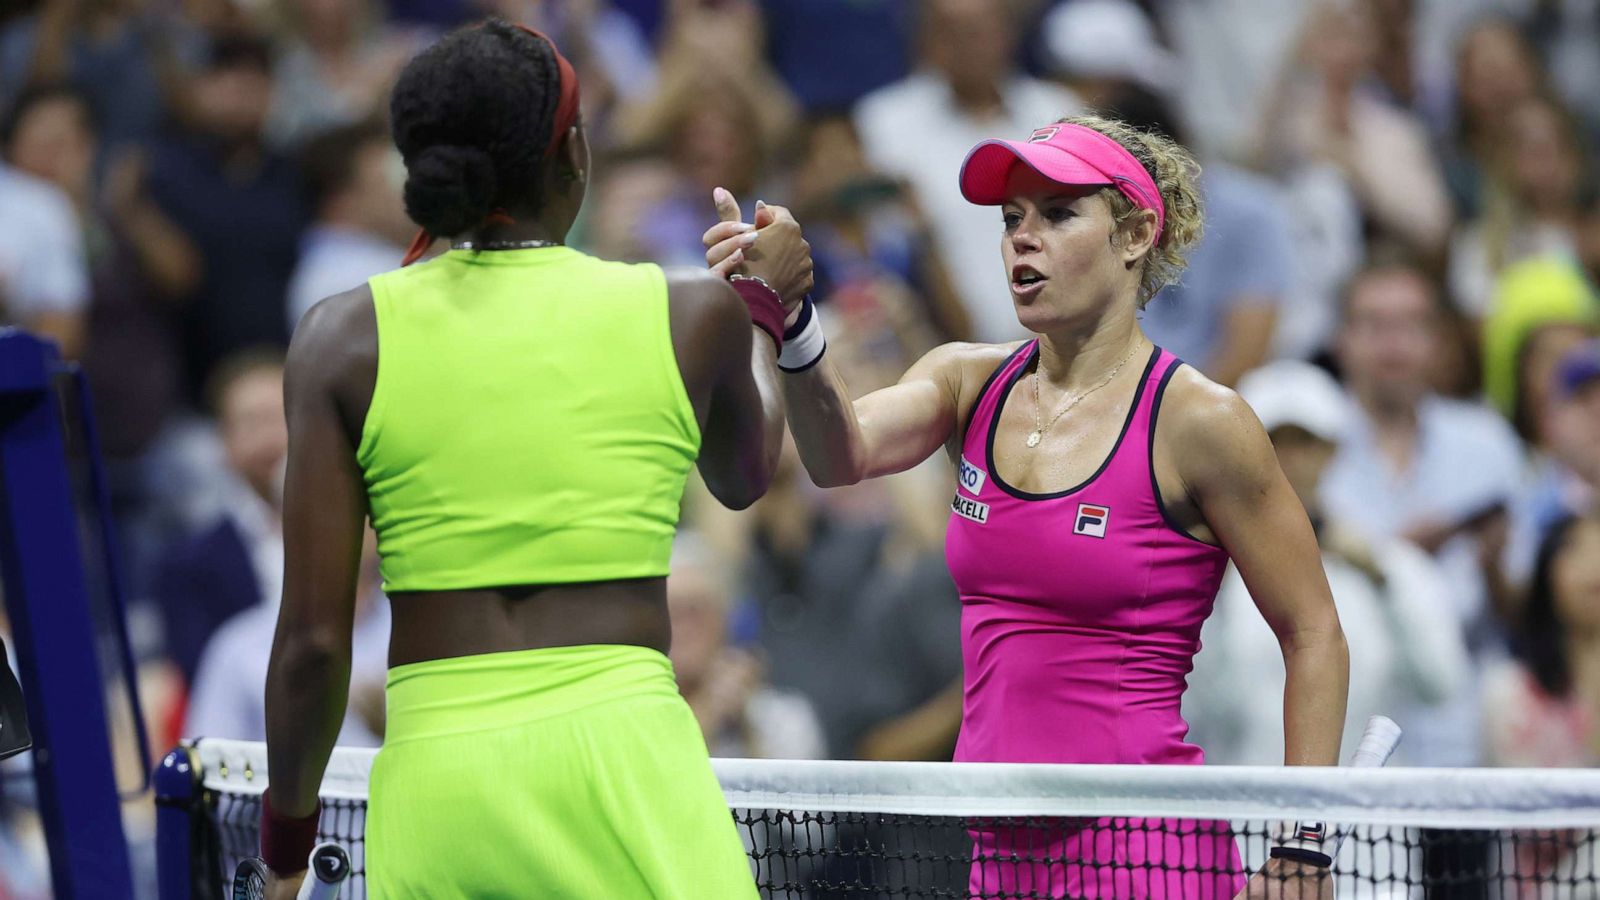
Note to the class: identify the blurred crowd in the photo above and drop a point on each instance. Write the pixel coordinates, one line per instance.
(1399, 273)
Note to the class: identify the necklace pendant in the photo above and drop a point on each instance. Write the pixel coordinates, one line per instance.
(1034, 437)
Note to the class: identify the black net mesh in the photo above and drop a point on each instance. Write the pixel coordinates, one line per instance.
(233, 833)
(819, 855)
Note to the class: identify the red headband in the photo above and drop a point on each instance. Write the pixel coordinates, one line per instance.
(567, 108)
(566, 115)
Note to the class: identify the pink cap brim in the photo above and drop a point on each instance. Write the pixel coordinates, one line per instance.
(988, 167)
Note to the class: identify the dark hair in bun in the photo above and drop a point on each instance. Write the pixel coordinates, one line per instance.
(472, 116)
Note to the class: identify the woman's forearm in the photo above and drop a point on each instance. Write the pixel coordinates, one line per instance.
(826, 430)
(307, 689)
(1317, 666)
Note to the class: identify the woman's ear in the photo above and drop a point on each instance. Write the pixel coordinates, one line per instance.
(575, 153)
(1138, 236)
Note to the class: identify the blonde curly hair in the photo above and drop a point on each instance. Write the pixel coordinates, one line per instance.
(1177, 175)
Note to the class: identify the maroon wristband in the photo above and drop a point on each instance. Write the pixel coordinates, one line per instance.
(766, 307)
(286, 842)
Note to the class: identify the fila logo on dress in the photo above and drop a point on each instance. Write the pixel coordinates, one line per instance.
(1092, 520)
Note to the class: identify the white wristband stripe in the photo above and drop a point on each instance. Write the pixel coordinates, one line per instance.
(804, 348)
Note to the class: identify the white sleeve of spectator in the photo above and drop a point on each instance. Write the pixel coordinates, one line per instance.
(54, 277)
(1422, 617)
(787, 724)
(220, 700)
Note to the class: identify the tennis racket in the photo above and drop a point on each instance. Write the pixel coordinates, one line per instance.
(329, 868)
(1378, 743)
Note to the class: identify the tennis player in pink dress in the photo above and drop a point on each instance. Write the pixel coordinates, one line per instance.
(1102, 487)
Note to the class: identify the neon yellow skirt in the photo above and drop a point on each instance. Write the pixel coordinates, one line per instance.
(570, 772)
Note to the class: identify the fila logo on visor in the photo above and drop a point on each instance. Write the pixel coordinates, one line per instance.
(1091, 520)
(972, 477)
(1044, 134)
(967, 508)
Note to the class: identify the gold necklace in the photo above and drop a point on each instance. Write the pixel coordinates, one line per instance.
(1037, 434)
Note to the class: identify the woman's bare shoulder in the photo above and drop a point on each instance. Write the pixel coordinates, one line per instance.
(1216, 429)
(963, 362)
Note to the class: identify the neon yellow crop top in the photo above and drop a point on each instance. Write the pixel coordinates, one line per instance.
(529, 424)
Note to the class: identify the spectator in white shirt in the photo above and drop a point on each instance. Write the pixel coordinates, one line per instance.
(1438, 472)
(361, 229)
(44, 276)
(965, 90)
(1391, 597)
(228, 698)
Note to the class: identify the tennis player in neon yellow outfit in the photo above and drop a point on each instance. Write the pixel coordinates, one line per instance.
(518, 420)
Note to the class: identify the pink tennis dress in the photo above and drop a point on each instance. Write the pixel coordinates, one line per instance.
(1081, 614)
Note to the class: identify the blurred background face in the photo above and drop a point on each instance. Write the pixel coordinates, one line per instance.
(1541, 355)
(231, 102)
(716, 144)
(377, 185)
(55, 141)
(1543, 159)
(833, 160)
(330, 21)
(1494, 72)
(1303, 457)
(1577, 579)
(1390, 337)
(970, 42)
(255, 436)
(1575, 428)
(1341, 44)
(697, 601)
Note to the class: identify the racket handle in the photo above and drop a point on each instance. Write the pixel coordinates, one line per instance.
(1378, 743)
(329, 868)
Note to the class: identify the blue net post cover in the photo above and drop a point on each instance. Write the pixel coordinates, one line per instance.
(177, 786)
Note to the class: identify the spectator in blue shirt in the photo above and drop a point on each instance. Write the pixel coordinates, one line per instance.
(834, 52)
(235, 562)
(239, 203)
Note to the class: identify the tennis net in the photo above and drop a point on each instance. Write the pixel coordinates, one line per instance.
(820, 830)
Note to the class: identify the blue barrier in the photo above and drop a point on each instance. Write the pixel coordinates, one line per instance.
(48, 602)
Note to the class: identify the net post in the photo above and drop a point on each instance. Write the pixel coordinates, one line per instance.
(48, 603)
(177, 785)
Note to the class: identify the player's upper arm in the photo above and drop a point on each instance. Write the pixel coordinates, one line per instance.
(324, 496)
(905, 423)
(1229, 469)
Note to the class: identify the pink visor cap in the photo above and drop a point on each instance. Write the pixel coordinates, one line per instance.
(1066, 154)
